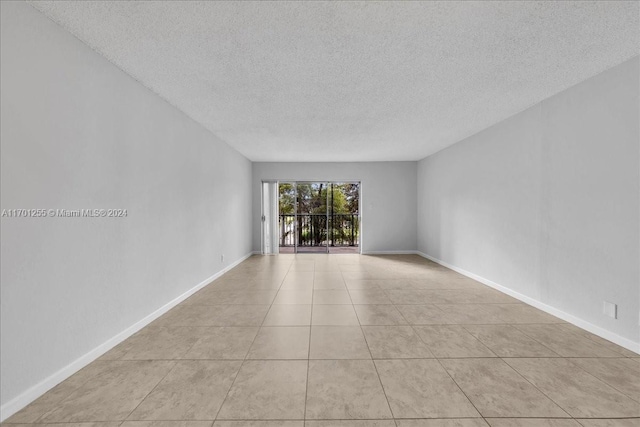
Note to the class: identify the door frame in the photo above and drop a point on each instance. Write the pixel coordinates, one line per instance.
(295, 182)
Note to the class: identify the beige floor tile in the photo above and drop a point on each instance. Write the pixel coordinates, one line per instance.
(345, 389)
(469, 314)
(606, 343)
(167, 424)
(458, 283)
(90, 424)
(271, 285)
(294, 297)
(278, 423)
(334, 315)
(218, 315)
(621, 374)
(328, 276)
(112, 394)
(250, 297)
(532, 422)
(193, 390)
(295, 285)
(281, 342)
(451, 341)
(297, 279)
(485, 295)
(338, 342)
(422, 297)
(380, 315)
(507, 341)
(350, 268)
(351, 423)
(359, 275)
(223, 343)
(369, 297)
(422, 389)
(628, 422)
(327, 267)
(288, 315)
(452, 422)
(267, 390)
(565, 343)
(576, 391)
(329, 285)
(302, 266)
(51, 399)
(331, 296)
(329, 280)
(160, 343)
(497, 390)
(395, 342)
(465, 296)
(523, 313)
(428, 314)
(408, 284)
(364, 284)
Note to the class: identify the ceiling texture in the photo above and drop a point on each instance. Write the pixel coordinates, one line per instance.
(353, 81)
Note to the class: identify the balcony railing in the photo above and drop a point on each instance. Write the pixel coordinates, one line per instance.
(320, 229)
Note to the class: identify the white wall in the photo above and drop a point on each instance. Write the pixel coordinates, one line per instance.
(79, 133)
(546, 203)
(388, 198)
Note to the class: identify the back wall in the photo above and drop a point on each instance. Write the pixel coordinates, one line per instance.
(388, 198)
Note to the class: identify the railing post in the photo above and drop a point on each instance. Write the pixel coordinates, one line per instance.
(352, 229)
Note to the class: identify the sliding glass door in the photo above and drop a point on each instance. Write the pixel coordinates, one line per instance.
(318, 217)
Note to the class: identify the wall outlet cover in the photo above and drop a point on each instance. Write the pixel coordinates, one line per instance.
(610, 309)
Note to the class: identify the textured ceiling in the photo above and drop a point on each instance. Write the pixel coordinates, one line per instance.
(353, 81)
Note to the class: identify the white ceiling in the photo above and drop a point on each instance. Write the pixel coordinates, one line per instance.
(353, 81)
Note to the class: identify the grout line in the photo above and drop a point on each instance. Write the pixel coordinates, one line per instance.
(306, 389)
(151, 391)
(461, 390)
(568, 359)
(249, 349)
(372, 359)
(534, 386)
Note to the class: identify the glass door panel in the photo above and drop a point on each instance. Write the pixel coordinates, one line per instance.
(344, 217)
(287, 217)
(312, 217)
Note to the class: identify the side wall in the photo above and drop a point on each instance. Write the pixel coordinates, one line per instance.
(546, 203)
(388, 198)
(77, 132)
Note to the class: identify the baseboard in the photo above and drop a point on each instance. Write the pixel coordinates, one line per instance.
(408, 252)
(31, 394)
(590, 327)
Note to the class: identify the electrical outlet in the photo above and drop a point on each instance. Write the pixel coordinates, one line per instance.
(610, 309)
(221, 258)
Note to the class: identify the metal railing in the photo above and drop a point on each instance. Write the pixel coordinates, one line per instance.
(319, 229)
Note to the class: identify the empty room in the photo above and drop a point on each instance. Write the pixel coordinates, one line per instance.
(320, 213)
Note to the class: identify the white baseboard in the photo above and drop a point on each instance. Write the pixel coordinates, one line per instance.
(603, 333)
(408, 252)
(31, 394)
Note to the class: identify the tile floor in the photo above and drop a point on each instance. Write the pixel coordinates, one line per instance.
(350, 341)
